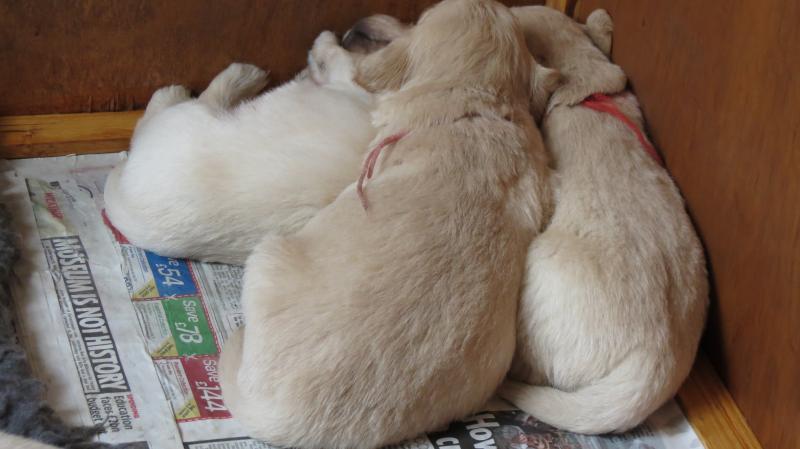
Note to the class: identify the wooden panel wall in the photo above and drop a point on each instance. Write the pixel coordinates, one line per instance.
(720, 88)
(98, 55)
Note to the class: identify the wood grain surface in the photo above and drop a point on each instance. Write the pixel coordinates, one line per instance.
(60, 134)
(61, 56)
(719, 84)
(712, 412)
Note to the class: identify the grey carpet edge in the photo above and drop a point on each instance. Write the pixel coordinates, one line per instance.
(22, 408)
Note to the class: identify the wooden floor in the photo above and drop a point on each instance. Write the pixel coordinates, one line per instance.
(706, 402)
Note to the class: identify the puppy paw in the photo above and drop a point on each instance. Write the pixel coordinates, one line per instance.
(166, 97)
(543, 83)
(171, 94)
(328, 62)
(324, 41)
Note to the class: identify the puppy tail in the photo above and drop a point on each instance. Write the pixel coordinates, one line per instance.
(229, 362)
(615, 403)
(233, 85)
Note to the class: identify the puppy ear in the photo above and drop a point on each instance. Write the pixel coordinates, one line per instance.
(386, 69)
(600, 29)
(544, 81)
(594, 75)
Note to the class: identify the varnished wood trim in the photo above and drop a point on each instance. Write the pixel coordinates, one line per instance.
(565, 6)
(26, 136)
(712, 412)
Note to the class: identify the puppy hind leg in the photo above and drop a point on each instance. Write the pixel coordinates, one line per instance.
(233, 85)
(166, 97)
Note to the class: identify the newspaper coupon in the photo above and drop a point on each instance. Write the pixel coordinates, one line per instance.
(130, 340)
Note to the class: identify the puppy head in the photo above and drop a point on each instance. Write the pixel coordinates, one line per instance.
(470, 43)
(372, 33)
(559, 42)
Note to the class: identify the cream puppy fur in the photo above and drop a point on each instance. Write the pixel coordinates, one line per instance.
(616, 290)
(208, 178)
(369, 327)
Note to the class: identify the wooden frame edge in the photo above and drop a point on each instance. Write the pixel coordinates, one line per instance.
(712, 411)
(565, 6)
(25, 136)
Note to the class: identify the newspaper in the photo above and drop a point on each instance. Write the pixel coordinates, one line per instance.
(129, 340)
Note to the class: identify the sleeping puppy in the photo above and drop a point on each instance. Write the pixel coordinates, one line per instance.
(616, 292)
(387, 315)
(208, 178)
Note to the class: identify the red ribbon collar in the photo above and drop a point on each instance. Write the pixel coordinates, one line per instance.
(598, 102)
(369, 164)
(603, 103)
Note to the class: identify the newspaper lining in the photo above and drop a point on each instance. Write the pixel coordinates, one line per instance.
(130, 340)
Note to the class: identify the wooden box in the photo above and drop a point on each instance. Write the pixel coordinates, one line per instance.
(718, 82)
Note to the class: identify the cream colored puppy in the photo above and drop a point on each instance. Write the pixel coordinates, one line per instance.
(208, 178)
(616, 291)
(369, 327)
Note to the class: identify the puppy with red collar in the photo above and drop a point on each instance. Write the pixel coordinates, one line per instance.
(616, 289)
(388, 314)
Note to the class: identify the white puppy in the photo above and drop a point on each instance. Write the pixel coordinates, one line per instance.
(369, 327)
(616, 291)
(208, 178)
